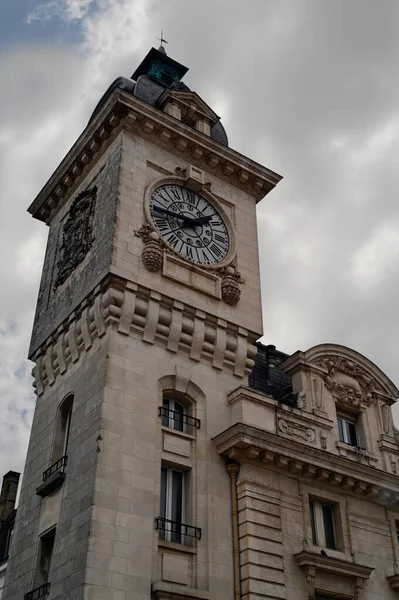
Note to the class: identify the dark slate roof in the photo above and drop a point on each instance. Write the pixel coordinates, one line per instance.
(148, 89)
(267, 378)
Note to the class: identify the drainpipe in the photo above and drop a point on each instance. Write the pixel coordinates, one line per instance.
(232, 469)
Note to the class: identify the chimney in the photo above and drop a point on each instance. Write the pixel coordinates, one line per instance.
(270, 363)
(8, 494)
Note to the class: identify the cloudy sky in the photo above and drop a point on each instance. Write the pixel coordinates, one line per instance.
(309, 88)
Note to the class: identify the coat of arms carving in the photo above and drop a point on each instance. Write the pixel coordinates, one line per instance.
(77, 234)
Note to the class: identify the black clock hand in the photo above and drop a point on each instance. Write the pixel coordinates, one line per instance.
(188, 220)
(165, 211)
(199, 221)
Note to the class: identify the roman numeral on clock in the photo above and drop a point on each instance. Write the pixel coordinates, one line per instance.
(191, 198)
(220, 238)
(216, 250)
(162, 224)
(172, 239)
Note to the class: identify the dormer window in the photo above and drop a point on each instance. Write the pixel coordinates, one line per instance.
(348, 432)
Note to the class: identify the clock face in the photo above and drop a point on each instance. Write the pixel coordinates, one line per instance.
(189, 224)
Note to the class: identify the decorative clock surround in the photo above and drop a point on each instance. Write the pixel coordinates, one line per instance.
(184, 219)
(189, 224)
(77, 235)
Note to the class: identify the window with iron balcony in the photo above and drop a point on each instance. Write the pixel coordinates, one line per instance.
(176, 415)
(54, 475)
(172, 521)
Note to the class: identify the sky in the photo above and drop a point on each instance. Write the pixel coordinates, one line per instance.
(308, 88)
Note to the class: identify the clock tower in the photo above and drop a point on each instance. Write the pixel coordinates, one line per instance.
(148, 309)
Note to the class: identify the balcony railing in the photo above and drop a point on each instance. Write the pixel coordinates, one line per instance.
(39, 592)
(60, 464)
(175, 531)
(179, 418)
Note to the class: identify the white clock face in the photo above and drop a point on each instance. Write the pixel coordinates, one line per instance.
(189, 224)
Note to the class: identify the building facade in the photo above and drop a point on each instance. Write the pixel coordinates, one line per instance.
(8, 496)
(170, 456)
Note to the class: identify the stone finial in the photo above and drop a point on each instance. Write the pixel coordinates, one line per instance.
(152, 254)
(230, 287)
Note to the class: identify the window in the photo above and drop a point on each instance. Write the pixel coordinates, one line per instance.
(322, 521)
(172, 508)
(348, 430)
(10, 533)
(170, 523)
(173, 414)
(43, 568)
(63, 429)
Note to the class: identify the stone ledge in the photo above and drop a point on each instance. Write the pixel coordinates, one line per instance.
(52, 483)
(123, 111)
(245, 443)
(173, 591)
(120, 303)
(394, 581)
(337, 566)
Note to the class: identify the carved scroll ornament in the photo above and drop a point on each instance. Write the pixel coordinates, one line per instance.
(357, 395)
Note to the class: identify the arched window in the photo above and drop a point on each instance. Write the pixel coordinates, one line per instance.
(175, 413)
(63, 428)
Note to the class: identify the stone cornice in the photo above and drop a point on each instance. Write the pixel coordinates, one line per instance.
(155, 318)
(127, 112)
(245, 443)
(336, 566)
(394, 581)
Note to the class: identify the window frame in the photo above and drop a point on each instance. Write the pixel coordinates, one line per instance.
(166, 507)
(344, 420)
(171, 421)
(318, 523)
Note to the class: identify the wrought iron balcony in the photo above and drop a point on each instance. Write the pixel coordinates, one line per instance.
(53, 477)
(57, 466)
(179, 418)
(175, 531)
(39, 592)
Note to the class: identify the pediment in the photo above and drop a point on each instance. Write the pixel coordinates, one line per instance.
(345, 372)
(189, 102)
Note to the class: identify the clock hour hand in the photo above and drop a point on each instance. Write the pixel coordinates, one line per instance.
(188, 220)
(165, 211)
(199, 221)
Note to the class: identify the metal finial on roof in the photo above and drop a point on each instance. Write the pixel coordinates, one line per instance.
(163, 41)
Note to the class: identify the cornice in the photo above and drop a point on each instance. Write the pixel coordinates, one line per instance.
(329, 564)
(155, 318)
(246, 443)
(123, 111)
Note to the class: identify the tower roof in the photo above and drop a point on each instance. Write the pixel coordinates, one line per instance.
(156, 74)
(159, 66)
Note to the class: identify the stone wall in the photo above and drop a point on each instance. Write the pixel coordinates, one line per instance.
(55, 302)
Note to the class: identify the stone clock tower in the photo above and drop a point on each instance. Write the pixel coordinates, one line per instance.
(148, 309)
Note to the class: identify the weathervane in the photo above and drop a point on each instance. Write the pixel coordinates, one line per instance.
(162, 40)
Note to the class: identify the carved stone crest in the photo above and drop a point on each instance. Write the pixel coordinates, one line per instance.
(351, 385)
(77, 235)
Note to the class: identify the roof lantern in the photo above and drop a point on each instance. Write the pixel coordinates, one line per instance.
(160, 67)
